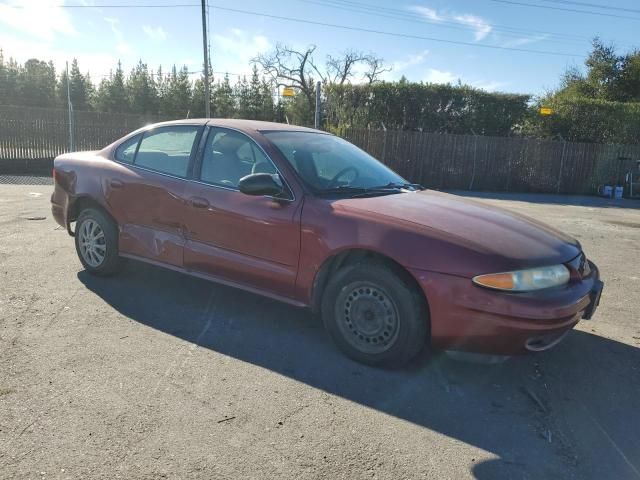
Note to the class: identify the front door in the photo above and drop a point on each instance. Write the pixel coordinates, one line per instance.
(248, 240)
(146, 192)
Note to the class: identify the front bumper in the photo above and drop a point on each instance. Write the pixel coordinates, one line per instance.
(470, 318)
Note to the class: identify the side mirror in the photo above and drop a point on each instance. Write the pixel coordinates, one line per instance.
(261, 184)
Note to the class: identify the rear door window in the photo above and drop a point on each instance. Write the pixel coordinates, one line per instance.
(167, 149)
(127, 149)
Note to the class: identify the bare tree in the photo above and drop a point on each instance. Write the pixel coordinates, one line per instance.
(294, 68)
(291, 68)
(339, 70)
(376, 68)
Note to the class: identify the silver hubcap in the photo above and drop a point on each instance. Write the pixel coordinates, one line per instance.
(93, 245)
(368, 319)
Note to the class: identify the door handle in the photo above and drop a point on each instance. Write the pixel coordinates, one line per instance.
(116, 184)
(199, 202)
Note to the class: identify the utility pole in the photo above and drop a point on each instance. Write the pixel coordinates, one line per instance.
(207, 107)
(70, 109)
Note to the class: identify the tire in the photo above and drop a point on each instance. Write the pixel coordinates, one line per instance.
(96, 239)
(374, 316)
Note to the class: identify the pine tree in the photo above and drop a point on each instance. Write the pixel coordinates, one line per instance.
(80, 88)
(176, 99)
(197, 97)
(112, 94)
(197, 100)
(37, 83)
(241, 92)
(267, 107)
(117, 100)
(9, 94)
(254, 97)
(223, 101)
(141, 90)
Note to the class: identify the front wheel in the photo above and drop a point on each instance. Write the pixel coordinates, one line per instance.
(374, 316)
(96, 240)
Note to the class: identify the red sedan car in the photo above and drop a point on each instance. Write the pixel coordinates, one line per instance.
(305, 217)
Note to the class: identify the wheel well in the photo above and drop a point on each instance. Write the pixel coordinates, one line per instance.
(80, 204)
(354, 256)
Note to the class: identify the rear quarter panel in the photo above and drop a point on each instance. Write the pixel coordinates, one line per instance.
(78, 175)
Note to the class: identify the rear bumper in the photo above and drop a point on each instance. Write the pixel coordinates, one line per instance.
(58, 213)
(470, 318)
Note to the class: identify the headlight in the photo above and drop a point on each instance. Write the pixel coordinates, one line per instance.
(525, 280)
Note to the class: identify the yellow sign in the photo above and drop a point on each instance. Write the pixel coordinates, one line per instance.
(288, 92)
(546, 111)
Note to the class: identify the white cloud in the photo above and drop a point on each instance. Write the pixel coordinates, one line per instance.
(156, 34)
(490, 86)
(519, 42)
(480, 26)
(410, 61)
(440, 76)
(444, 76)
(122, 47)
(428, 13)
(98, 64)
(233, 52)
(42, 19)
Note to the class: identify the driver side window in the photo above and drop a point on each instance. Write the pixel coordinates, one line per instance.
(229, 156)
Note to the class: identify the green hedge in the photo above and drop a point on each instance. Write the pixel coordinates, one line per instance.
(587, 120)
(428, 107)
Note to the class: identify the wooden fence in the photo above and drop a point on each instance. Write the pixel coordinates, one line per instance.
(34, 136)
(469, 162)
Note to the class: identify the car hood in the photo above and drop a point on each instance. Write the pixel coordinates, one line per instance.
(494, 239)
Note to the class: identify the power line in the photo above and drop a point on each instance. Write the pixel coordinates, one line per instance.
(342, 27)
(188, 5)
(563, 9)
(593, 5)
(396, 34)
(403, 15)
(125, 74)
(347, 5)
(152, 5)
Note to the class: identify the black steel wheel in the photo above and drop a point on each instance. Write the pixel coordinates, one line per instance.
(374, 315)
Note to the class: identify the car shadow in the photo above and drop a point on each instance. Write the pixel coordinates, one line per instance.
(572, 412)
(549, 198)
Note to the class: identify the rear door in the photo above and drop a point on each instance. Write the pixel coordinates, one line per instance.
(250, 240)
(146, 192)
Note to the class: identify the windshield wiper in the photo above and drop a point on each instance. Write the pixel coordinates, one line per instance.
(355, 192)
(342, 189)
(404, 186)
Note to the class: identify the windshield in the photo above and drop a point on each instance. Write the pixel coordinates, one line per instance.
(329, 163)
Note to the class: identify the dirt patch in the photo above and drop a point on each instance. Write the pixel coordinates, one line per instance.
(5, 391)
(624, 223)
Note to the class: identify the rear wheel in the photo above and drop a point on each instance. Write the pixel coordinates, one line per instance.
(374, 316)
(96, 240)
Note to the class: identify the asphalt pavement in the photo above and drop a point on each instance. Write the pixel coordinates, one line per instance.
(154, 374)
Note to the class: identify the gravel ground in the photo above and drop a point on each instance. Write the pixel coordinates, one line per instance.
(154, 374)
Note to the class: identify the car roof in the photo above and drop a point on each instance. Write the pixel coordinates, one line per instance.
(243, 125)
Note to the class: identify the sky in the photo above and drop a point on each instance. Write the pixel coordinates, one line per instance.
(520, 46)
